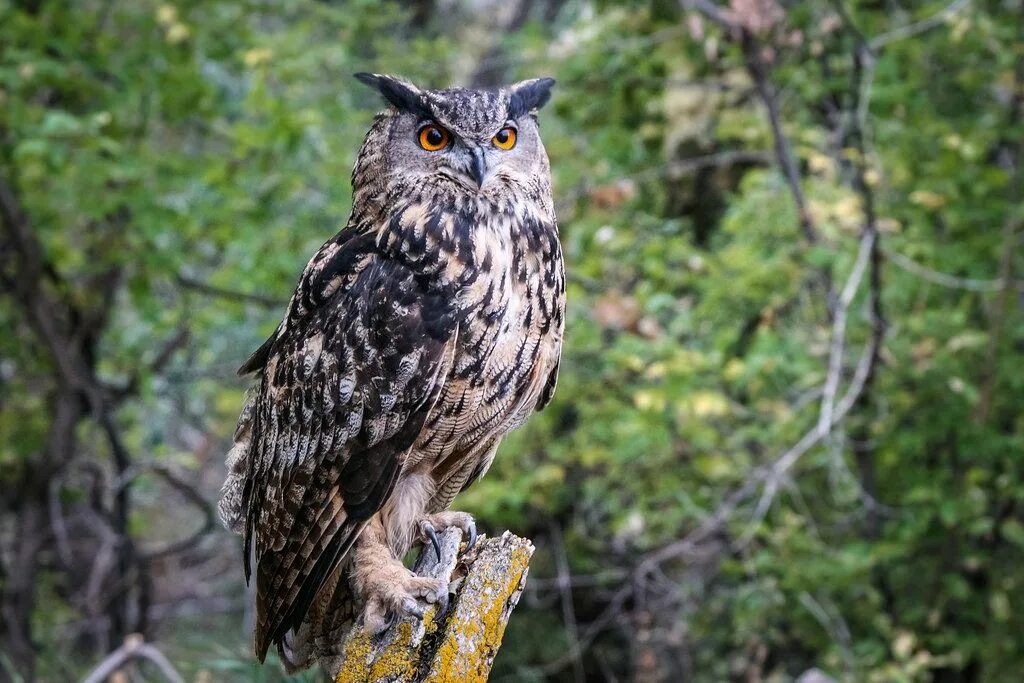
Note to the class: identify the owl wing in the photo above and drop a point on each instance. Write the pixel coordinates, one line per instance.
(548, 392)
(348, 380)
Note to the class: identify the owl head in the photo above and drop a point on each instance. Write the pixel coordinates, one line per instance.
(455, 140)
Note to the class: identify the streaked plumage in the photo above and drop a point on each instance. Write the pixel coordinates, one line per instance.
(417, 337)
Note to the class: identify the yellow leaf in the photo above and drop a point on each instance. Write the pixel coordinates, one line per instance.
(999, 604)
(166, 14)
(888, 225)
(648, 400)
(713, 466)
(733, 369)
(967, 340)
(257, 56)
(178, 33)
(706, 404)
(655, 370)
(847, 212)
(903, 646)
(819, 163)
(924, 349)
(928, 199)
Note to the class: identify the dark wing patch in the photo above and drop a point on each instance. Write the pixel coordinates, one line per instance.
(259, 357)
(348, 381)
(548, 392)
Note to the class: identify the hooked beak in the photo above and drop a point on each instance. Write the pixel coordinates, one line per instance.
(478, 169)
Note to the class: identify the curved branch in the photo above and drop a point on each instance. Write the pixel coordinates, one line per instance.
(189, 492)
(918, 27)
(230, 294)
(135, 647)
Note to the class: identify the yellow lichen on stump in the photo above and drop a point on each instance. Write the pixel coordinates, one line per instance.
(486, 584)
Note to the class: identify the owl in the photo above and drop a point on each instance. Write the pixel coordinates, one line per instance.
(417, 337)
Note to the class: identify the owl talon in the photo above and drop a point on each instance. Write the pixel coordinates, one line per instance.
(394, 593)
(427, 529)
(412, 608)
(442, 604)
(444, 520)
(382, 628)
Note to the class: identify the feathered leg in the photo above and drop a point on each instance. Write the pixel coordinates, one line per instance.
(386, 588)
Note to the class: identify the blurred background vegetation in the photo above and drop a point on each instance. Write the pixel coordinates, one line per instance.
(788, 433)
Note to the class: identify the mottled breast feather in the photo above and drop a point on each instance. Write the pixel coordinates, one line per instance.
(502, 264)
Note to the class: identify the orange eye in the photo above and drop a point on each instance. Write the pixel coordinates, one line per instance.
(433, 138)
(505, 139)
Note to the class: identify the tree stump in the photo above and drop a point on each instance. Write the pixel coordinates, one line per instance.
(459, 645)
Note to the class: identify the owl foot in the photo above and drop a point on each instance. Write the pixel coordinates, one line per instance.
(393, 592)
(429, 526)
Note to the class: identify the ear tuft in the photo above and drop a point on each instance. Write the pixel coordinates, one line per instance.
(400, 94)
(529, 96)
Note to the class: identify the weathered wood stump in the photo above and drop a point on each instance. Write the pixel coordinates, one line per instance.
(459, 645)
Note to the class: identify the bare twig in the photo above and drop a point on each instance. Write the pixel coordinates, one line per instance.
(612, 576)
(835, 626)
(681, 167)
(610, 613)
(60, 530)
(1011, 158)
(230, 294)
(951, 281)
(758, 71)
(838, 345)
(126, 555)
(189, 492)
(565, 592)
(771, 474)
(918, 27)
(857, 136)
(163, 357)
(134, 647)
(711, 11)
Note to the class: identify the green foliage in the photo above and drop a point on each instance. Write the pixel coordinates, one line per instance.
(211, 143)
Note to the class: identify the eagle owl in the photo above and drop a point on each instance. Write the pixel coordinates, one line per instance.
(417, 337)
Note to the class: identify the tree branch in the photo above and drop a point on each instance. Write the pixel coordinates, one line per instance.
(758, 71)
(1011, 158)
(134, 647)
(712, 12)
(230, 294)
(935, 277)
(565, 595)
(189, 492)
(770, 475)
(459, 645)
(26, 287)
(918, 27)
